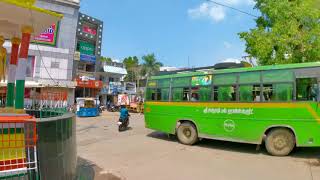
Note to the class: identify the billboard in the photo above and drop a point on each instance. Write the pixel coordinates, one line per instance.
(86, 48)
(49, 36)
(88, 58)
(130, 87)
(89, 30)
(115, 87)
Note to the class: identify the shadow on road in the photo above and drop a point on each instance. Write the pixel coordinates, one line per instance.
(305, 152)
(89, 171)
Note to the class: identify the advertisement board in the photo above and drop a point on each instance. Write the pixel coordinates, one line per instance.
(49, 36)
(88, 58)
(201, 80)
(115, 87)
(130, 87)
(89, 30)
(89, 84)
(123, 99)
(86, 48)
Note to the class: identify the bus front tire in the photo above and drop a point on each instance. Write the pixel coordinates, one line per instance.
(280, 142)
(187, 133)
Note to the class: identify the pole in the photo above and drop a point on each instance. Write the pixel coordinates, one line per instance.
(12, 71)
(21, 68)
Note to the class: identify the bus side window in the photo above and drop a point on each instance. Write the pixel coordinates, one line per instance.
(227, 93)
(277, 92)
(307, 89)
(249, 93)
(164, 94)
(180, 94)
(201, 93)
(151, 94)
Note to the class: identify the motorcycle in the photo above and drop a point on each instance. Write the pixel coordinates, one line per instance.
(113, 108)
(123, 124)
(101, 108)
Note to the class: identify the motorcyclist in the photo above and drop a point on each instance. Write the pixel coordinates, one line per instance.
(124, 113)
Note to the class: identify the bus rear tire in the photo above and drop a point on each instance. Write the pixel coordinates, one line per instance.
(280, 142)
(187, 133)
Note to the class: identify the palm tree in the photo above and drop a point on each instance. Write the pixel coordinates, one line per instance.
(150, 66)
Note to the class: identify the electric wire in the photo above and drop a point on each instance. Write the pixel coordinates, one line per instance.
(233, 8)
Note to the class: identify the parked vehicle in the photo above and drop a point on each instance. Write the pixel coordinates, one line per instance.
(113, 108)
(87, 107)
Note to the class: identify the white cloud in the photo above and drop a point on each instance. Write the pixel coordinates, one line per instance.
(215, 12)
(227, 45)
(206, 10)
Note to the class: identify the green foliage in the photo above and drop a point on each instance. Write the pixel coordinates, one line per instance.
(150, 65)
(105, 59)
(288, 31)
(132, 66)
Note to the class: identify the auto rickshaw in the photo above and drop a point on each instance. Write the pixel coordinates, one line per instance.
(87, 107)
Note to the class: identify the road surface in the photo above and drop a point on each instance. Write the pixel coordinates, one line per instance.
(143, 154)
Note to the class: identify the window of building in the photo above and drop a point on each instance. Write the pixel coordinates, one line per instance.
(227, 93)
(55, 64)
(81, 66)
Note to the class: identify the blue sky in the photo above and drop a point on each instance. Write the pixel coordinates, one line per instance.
(172, 29)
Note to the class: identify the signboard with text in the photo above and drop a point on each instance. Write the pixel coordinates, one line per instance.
(86, 48)
(89, 30)
(89, 84)
(88, 58)
(49, 36)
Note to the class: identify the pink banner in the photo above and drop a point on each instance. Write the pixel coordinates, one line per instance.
(48, 36)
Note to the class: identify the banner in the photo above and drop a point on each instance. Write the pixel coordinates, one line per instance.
(201, 80)
(49, 36)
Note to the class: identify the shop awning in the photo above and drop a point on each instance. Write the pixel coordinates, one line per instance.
(17, 13)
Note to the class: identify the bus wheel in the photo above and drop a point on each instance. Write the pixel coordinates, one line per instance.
(280, 142)
(187, 133)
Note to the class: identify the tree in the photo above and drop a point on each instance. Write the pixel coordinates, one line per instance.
(288, 31)
(105, 59)
(132, 66)
(150, 65)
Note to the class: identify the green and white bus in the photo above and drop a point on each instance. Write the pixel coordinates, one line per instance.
(275, 104)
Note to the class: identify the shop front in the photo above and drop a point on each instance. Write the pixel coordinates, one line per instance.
(88, 88)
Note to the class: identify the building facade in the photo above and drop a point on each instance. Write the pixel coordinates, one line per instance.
(112, 75)
(87, 59)
(51, 57)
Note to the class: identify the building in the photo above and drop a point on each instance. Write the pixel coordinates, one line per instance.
(112, 75)
(87, 59)
(51, 54)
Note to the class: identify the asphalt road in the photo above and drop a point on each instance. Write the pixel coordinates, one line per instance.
(142, 154)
